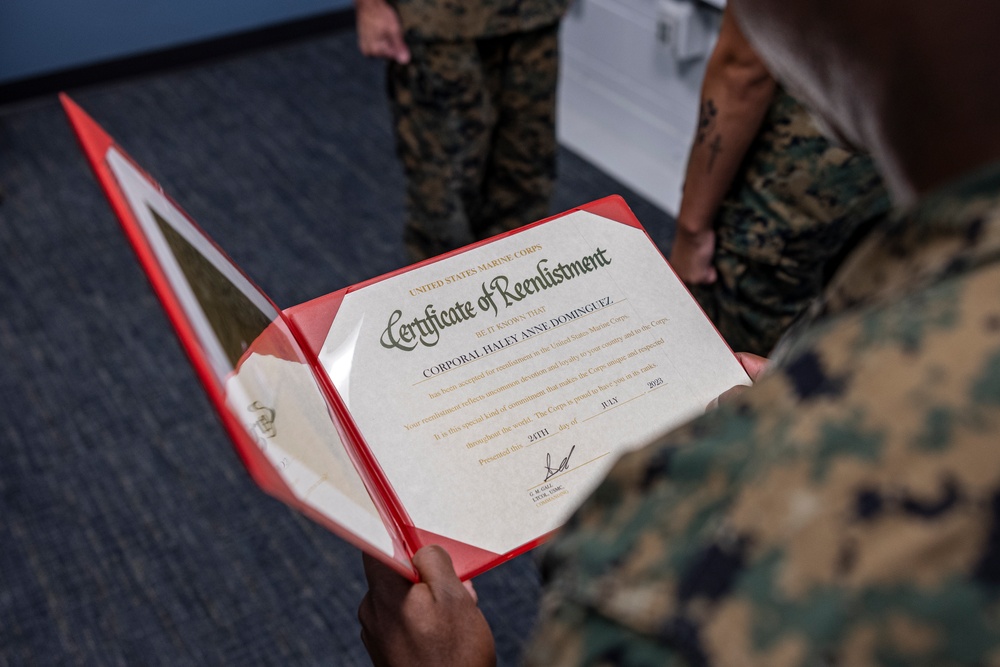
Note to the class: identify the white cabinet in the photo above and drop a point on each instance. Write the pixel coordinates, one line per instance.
(626, 103)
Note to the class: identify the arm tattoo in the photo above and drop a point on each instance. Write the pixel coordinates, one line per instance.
(706, 120)
(715, 147)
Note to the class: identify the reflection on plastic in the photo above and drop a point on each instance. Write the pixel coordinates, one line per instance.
(282, 407)
(339, 360)
(269, 386)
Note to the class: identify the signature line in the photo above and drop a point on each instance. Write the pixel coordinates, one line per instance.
(575, 468)
(602, 412)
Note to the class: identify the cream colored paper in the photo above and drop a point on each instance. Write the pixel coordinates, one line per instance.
(494, 411)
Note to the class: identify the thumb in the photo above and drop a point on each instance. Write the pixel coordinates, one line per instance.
(436, 570)
(402, 55)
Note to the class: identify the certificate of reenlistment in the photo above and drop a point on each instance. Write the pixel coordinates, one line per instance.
(471, 401)
(496, 387)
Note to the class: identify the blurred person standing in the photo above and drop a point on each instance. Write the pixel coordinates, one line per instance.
(769, 202)
(472, 89)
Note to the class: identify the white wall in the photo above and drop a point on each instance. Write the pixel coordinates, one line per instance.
(39, 37)
(626, 102)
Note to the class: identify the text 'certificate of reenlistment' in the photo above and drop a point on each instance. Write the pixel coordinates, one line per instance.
(496, 387)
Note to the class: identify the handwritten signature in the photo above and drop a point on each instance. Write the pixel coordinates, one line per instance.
(563, 465)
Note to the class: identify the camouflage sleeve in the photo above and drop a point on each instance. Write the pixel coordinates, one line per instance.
(846, 511)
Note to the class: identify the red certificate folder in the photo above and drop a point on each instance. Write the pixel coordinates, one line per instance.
(472, 400)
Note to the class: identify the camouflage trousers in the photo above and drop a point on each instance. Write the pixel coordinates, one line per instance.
(475, 130)
(754, 302)
(796, 207)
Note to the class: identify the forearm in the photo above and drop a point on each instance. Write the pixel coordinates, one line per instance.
(734, 99)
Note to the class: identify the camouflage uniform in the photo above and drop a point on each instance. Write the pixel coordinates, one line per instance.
(795, 203)
(846, 510)
(475, 117)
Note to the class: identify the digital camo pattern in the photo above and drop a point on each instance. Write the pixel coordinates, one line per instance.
(845, 510)
(475, 19)
(475, 129)
(795, 205)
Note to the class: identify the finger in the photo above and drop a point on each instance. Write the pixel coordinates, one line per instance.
(380, 49)
(435, 568)
(373, 648)
(368, 612)
(375, 569)
(383, 581)
(402, 53)
(753, 364)
(730, 394)
(379, 45)
(366, 615)
(396, 49)
(472, 590)
(368, 620)
(725, 397)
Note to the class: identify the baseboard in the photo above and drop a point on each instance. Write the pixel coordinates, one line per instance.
(146, 63)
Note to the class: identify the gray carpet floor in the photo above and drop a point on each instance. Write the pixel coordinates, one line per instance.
(129, 532)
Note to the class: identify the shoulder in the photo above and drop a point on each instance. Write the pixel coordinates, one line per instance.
(863, 468)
